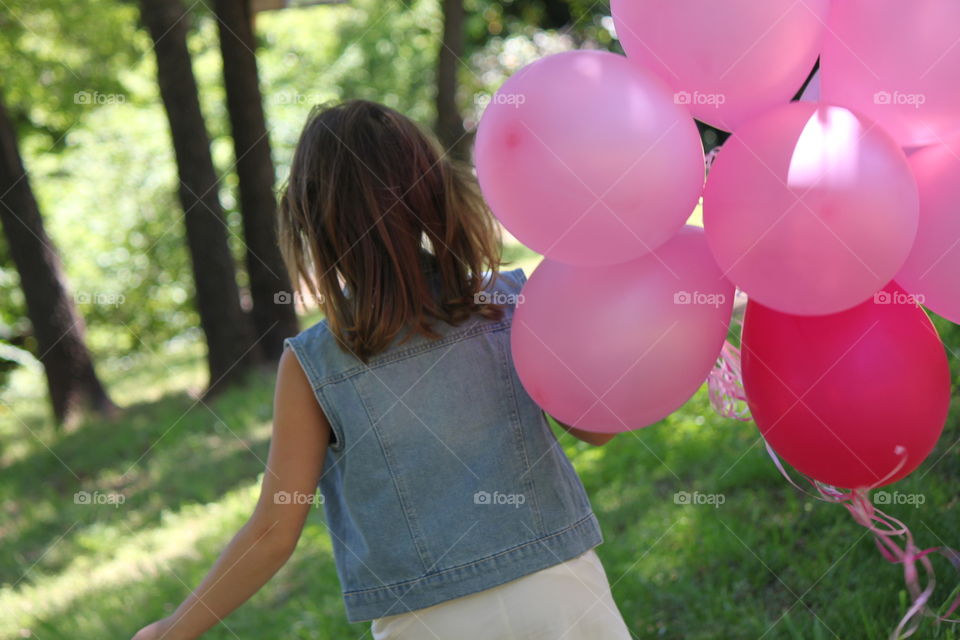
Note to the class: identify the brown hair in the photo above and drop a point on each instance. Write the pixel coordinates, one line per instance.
(372, 205)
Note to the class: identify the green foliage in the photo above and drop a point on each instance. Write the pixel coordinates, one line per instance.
(950, 333)
(64, 56)
(12, 309)
(586, 21)
(120, 232)
(357, 54)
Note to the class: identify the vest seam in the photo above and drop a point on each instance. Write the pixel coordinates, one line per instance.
(516, 426)
(477, 329)
(412, 527)
(589, 517)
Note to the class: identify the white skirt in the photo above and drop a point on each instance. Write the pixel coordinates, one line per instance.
(569, 601)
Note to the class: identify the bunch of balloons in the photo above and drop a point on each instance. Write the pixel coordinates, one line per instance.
(837, 218)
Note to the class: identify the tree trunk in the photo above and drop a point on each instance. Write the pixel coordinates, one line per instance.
(231, 348)
(58, 328)
(449, 120)
(274, 316)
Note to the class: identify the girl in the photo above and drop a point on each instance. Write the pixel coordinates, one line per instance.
(454, 513)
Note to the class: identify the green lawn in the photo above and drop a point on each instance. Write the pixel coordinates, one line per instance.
(767, 563)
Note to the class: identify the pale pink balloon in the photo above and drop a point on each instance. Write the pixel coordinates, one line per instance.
(810, 209)
(932, 272)
(611, 349)
(730, 60)
(898, 63)
(586, 159)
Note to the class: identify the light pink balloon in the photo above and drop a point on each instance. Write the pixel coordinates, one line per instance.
(728, 60)
(617, 348)
(898, 63)
(586, 159)
(810, 209)
(932, 271)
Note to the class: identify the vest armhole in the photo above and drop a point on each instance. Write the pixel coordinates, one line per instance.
(336, 441)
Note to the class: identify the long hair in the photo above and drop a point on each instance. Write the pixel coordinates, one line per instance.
(371, 214)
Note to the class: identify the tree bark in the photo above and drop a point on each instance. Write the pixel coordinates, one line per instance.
(274, 316)
(57, 326)
(449, 125)
(231, 347)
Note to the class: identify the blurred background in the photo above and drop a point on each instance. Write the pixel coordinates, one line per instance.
(143, 303)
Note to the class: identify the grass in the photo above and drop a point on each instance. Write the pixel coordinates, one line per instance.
(767, 563)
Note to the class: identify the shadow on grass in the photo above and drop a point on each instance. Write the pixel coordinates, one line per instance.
(302, 601)
(159, 456)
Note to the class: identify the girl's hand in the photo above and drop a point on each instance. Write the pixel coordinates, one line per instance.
(154, 631)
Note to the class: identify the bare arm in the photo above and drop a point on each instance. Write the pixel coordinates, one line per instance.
(596, 439)
(264, 544)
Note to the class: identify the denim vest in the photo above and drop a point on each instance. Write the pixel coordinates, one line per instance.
(444, 478)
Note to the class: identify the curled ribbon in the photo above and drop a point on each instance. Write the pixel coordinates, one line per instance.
(726, 386)
(893, 538)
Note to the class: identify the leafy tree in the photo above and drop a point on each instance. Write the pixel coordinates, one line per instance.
(231, 347)
(58, 328)
(274, 316)
(62, 57)
(449, 124)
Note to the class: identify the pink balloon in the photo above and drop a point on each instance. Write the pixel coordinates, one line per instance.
(810, 209)
(729, 61)
(932, 272)
(617, 348)
(586, 159)
(898, 63)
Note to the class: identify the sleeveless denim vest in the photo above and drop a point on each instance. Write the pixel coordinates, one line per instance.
(444, 478)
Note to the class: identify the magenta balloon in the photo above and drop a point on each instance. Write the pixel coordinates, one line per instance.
(932, 272)
(854, 399)
(898, 63)
(810, 209)
(729, 61)
(616, 348)
(586, 159)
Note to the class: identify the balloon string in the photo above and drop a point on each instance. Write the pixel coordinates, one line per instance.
(892, 537)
